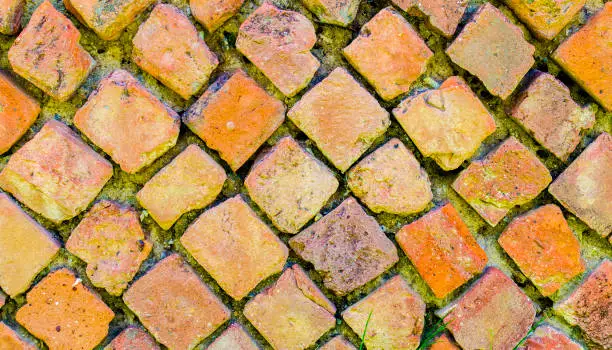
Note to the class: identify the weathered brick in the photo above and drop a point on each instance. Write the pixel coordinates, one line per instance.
(213, 13)
(341, 117)
(338, 12)
(47, 53)
(56, 174)
(10, 340)
(2, 299)
(543, 246)
(110, 240)
(235, 116)
(234, 338)
(508, 176)
(585, 187)
(390, 179)
(545, 18)
(396, 316)
(587, 56)
(338, 343)
(590, 305)
(190, 181)
(546, 337)
(175, 305)
(64, 313)
(443, 14)
(444, 342)
(447, 124)
(278, 42)
(168, 47)
(548, 112)
(235, 247)
(18, 111)
(292, 313)
(290, 185)
(133, 338)
(493, 314)
(346, 247)
(128, 122)
(10, 16)
(442, 249)
(493, 49)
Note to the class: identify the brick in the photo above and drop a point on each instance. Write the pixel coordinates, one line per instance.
(543, 246)
(278, 42)
(443, 250)
(234, 338)
(390, 179)
(10, 16)
(493, 314)
(290, 185)
(444, 342)
(447, 124)
(10, 340)
(292, 313)
(389, 53)
(341, 117)
(2, 299)
(508, 176)
(546, 337)
(235, 116)
(396, 313)
(56, 174)
(235, 247)
(443, 14)
(338, 12)
(590, 305)
(338, 343)
(186, 62)
(22, 255)
(213, 13)
(585, 187)
(587, 56)
(346, 247)
(110, 240)
(132, 338)
(107, 18)
(546, 110)
(64, 313)
(493, 49)
(128, 122)
(545, 18)
(18, 111)
(60, 65)
(173, 303)
(192, 180)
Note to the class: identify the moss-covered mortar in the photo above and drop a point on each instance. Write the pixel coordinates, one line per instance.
(331, 40)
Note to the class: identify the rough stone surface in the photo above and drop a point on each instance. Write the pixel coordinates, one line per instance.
(56, 174)
(338, 12)
(213, 13)
(10, 16)
(443, 250)
(290, 185)
(128, 122)
(396, 315)
(346, 247)
(447, 124)
(443, 14)
(508, 176)
(338, 343)
(234, 338)
(546, 337)
(545, 18)
(444, 342)
(18, 111)
(10, 340)
(235, 247)
(341, 117)
(133, 338)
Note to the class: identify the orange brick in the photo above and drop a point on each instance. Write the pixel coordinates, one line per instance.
(442, 249)
(191, 181)
(133, 338)
(396, 314)
(10, 340)
(338, 343)
(128, 122)
(278, 42)
(290, 185)
(341, 117)
(443, 14)
(546, 337)
(64, 313)
(56, 174)
(175, 305)
(60, 65)
(338, 12)
(18, 111)
(186, 62)
(390, 179)
(443, 342)
(213, 13)
(545, 18)
(235, 116)
(235, 247)
(292, 313)
(389, 53)
(10, 16)
(447, 124)
(234, 338)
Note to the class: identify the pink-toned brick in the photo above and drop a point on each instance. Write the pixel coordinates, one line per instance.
(191, 181)
(213, 13)
(346, 247)
(234, 338)
(128, 122)
(443, 14)
(338, 343)
(10, 16)
(56, 174)
(390, 179)
(545, 18)
(132, 338)
(290, 185)
(18, 111)
(341, 117)
(546, 337)
(338, 12)
(2, 299)
(10, 340)
(235, 247)
(175, 305)
(444, 342)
